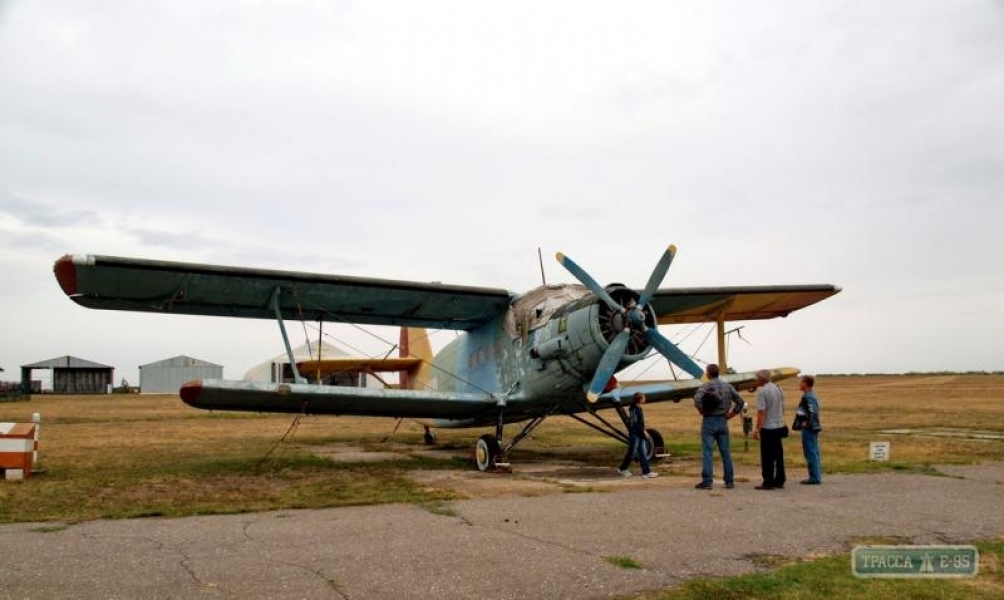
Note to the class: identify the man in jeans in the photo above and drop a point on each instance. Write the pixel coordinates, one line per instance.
(770, 428)
(808, 410)
(717, 401)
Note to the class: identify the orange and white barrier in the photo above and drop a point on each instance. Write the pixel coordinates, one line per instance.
(37, 419)
(18, 444)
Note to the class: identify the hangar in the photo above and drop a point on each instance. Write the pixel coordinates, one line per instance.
(168, 375)
(277, 369)
(72, 375)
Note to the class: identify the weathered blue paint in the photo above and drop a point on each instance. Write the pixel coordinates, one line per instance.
(488, 368)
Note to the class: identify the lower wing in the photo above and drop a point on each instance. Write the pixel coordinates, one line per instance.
(222, 394)
(458, 409)
(685, 388)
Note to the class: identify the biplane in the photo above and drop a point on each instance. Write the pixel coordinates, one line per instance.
(519, 358)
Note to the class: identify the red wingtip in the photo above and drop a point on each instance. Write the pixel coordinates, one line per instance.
(190, 392)
(66, 274)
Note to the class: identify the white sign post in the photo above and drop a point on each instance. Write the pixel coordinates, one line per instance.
(879, 451)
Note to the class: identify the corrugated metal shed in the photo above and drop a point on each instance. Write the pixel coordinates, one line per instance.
(168, 375)
(72, 375)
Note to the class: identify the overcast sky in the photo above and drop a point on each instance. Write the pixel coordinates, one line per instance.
(853, 143)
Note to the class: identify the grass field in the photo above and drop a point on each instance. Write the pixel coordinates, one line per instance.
(830, 577)
(115, 456)
(128, 456)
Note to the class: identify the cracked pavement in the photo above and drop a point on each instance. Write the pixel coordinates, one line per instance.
(550, 546)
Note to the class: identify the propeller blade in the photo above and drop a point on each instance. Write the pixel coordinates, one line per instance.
(658, 274)
(608, 365)
(589, 282)
(672, 353)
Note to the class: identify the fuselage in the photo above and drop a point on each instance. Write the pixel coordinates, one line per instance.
(541, 352)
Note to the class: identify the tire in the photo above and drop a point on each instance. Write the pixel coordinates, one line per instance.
(486, 451)
(654, 444)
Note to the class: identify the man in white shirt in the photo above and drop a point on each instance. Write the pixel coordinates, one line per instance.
(770, 429)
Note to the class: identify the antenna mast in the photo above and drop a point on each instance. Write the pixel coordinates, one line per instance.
(540, 258)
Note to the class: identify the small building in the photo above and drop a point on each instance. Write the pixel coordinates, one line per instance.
(168, 375)
(72, 375)
(9, 390)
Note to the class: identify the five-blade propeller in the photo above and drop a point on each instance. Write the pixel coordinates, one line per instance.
(634, 320)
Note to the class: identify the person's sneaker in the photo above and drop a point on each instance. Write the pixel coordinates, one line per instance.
(703, 486)
(625, 473)
(764, 487)
(809, 482)
(730, 486)
(650, 475)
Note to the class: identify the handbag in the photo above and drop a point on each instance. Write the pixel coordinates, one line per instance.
(799, 423)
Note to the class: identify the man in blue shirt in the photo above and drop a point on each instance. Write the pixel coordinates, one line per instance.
(717, 401)
(808, 414)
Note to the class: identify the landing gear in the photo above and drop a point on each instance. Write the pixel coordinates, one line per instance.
(486, 453)
(655, 447)
(429, 437)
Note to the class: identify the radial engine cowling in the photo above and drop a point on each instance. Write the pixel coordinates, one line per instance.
(582, 334)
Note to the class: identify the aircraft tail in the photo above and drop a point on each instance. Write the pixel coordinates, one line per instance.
(415, 344)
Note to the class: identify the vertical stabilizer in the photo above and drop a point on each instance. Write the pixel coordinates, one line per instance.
(415, 344)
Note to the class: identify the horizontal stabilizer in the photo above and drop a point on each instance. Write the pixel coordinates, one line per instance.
(335, 366)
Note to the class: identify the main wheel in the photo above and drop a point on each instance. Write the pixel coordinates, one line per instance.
(654, 444)
(429, 437)
(485, 452)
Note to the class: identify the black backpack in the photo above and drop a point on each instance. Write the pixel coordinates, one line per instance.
(711, 402)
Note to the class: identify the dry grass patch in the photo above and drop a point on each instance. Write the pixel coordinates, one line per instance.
(126, 455)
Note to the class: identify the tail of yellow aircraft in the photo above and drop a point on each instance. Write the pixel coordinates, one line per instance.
(415, 344)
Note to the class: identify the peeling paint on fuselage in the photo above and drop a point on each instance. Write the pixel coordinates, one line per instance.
(491, 361)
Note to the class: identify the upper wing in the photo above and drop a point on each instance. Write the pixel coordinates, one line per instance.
(115, 283)
(738, 303)
(221, 394)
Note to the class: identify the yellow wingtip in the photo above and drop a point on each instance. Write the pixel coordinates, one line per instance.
(560, 256)
(592, 397)
(672, 249)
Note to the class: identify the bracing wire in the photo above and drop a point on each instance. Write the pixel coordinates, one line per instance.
(706, 336)
(290, 431)
(358, 327)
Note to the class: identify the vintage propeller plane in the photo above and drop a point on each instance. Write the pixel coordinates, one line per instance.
(520, 359)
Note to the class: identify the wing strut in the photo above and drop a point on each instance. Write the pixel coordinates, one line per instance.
(720, 322)
(297, 378)
(609, 430)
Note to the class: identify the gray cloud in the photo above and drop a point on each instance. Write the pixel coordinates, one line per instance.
(38, 214)
(780, 143)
